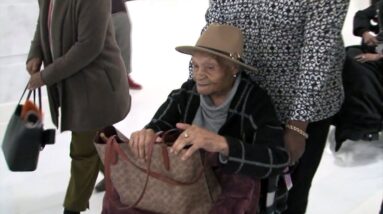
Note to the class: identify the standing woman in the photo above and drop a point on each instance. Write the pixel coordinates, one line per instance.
(122, 26)
(298, 49)
(86, 82)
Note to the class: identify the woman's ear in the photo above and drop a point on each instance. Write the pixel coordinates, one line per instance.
(235, 70)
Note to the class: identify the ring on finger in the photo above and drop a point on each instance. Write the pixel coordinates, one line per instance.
(186, 135)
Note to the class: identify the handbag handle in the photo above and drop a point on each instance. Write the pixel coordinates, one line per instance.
(34, 96)
(113, 150)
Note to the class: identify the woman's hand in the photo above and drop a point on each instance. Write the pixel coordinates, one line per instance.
(198, 138)
(294, 141)
(33, 65)
(368, 57)
(35, 81)
(295, 144)
(140, 140)
(369, 38)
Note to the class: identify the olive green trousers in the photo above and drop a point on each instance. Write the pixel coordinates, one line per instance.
(85, 166)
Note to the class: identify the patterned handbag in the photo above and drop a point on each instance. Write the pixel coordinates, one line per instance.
(162, 184)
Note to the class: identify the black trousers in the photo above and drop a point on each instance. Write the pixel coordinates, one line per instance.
(304, 172)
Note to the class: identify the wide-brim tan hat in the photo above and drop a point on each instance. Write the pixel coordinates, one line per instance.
(222, 40)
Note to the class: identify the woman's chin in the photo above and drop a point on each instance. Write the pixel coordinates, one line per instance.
(203, 91)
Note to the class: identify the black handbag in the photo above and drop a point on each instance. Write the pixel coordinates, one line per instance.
(25, 136)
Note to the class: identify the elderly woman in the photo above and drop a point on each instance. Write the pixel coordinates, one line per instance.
(222, 111)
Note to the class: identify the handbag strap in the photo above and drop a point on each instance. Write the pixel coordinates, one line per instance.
(154, 174)
(34, 96)
(113, 150)
(111, 158)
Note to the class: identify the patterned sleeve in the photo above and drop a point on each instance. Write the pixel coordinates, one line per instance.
(322, 57)
(213, 13)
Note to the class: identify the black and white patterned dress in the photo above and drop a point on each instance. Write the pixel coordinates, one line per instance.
(297, 47)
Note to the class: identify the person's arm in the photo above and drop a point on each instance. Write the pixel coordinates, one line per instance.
(35, 58)
(172, 110)
(35, 55)
(93, 18)
(35, 50)
(320, 54)
(362, 20)
(369, 57)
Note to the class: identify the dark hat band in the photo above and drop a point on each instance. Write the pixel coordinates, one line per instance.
(233, 56)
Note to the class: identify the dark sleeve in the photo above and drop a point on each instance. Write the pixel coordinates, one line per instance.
(264, 155)
(362, 20)
(89, 42)
(35, 50)
(171, 111)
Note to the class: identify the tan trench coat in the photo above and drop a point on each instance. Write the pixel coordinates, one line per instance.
(86, 75)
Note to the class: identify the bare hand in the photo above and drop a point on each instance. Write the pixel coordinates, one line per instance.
(140, 140)
(35, 81)
(295, 144)
(34, 65)
(368, 57)
(369, 39)
(198, 138)
(294, 141)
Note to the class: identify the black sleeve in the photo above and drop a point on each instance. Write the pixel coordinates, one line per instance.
(265, 154)
(362, 20)
(171, 111)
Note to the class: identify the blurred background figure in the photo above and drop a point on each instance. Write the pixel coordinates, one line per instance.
(361, 115)
(122, 27)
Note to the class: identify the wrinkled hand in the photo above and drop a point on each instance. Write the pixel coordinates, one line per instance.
(369, 39)
(368, 57)
(140, 140)
(294, 141)
(295, 144)
(198, 138)
(34, 65)
(35, 81)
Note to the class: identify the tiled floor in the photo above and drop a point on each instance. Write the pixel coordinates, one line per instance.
(350, 182)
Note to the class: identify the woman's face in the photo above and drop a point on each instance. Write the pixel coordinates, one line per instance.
(213, 76)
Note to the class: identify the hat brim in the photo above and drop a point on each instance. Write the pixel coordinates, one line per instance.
(190, 50)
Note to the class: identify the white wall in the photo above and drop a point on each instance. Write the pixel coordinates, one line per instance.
(355, 5)
(17, 21)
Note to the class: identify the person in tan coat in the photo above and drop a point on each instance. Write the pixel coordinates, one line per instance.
(86, 82)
